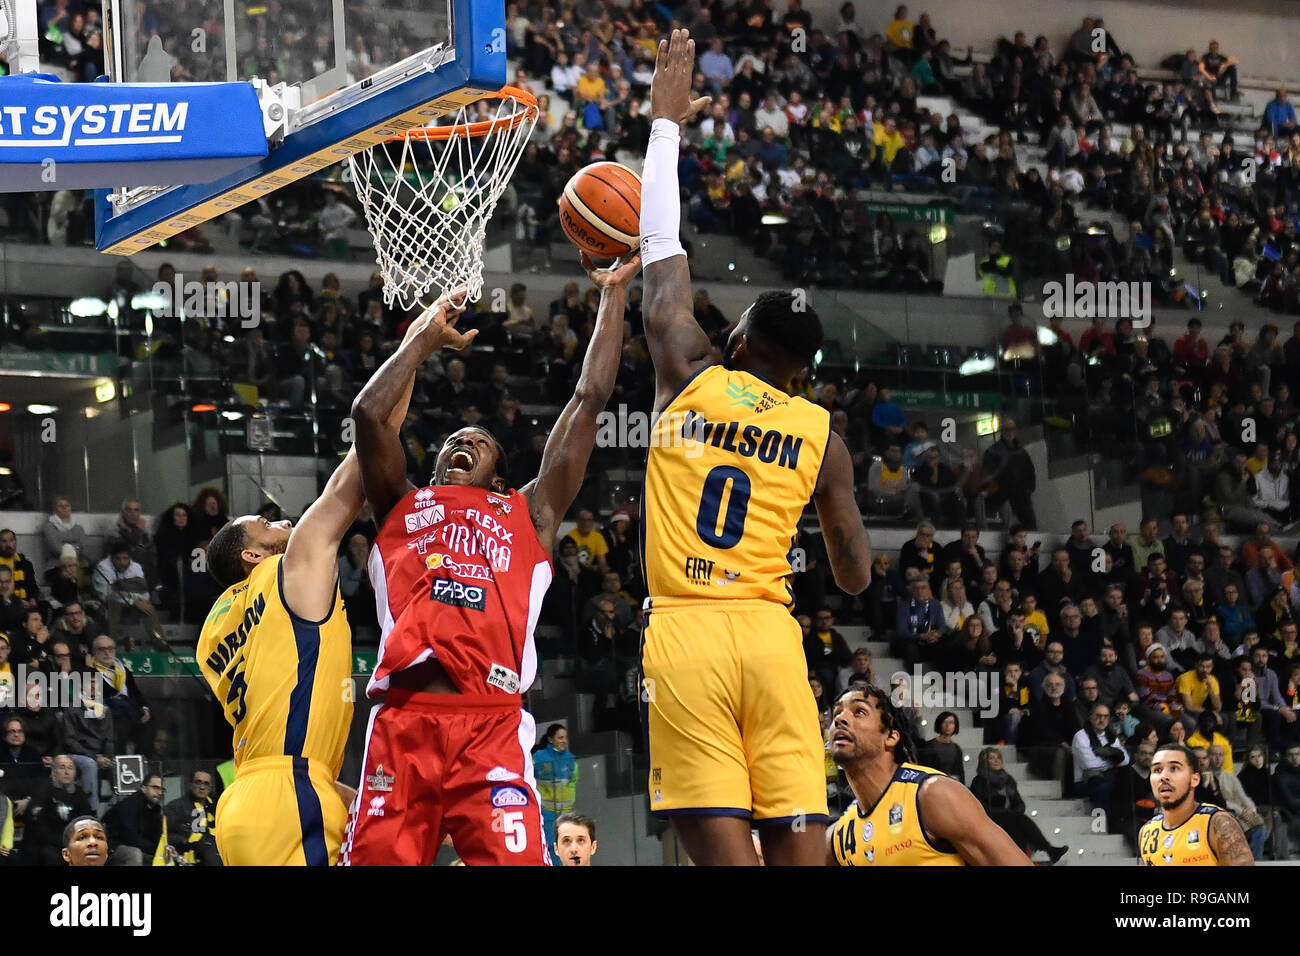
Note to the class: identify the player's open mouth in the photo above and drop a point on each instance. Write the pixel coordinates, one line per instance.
(460, 460)
(840, 737)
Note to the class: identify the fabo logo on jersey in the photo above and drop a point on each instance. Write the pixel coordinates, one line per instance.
(509, 797)
(422, 519)
(895, 818)
(1193, 839)
(447, 591)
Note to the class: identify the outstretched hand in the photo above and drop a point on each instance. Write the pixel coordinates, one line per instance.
(617, 276)
(436, 326)
(670, 89)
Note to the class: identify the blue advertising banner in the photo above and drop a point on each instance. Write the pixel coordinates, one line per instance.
(57, 135)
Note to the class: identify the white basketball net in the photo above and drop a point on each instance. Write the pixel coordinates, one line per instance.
(428, 200)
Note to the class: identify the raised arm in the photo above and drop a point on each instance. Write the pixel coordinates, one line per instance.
(568, 448)
(678, 346)
(952, 813)
(847, 544)
(379, 445)
(310, 561)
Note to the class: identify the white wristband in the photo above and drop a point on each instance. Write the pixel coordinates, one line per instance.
(661, 208)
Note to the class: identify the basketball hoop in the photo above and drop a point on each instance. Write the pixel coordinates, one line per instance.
(428, 195)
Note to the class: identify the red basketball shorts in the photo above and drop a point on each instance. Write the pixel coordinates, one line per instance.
(439, 764)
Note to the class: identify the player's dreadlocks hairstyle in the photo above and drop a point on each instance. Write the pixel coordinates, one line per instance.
(891, 718)
(787, 323)
(225, 555)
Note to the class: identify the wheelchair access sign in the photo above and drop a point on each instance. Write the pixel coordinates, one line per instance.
(129, 773)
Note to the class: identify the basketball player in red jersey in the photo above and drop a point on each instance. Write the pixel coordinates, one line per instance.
(460, 568)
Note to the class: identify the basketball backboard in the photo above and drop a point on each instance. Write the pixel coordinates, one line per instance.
(334, 77)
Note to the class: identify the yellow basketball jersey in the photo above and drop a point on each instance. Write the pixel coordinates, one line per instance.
(732, 464)
(285, 683)
(1187, 845)
(892, 833)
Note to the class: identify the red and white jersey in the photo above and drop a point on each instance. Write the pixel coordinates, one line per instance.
(459, 575)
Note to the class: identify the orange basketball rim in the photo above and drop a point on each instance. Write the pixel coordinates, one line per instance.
(527, 112)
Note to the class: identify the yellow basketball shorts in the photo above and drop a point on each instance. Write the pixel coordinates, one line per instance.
(733, 726)
(280, 811)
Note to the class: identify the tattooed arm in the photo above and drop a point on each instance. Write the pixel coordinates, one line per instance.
(1228, 842)
(847, 543)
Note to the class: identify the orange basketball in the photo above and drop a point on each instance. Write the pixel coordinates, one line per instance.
(600, 210)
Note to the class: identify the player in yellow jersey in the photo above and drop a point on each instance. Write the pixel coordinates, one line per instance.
(277, 652)
(1186, 832)
(904, 814)
(733, 728)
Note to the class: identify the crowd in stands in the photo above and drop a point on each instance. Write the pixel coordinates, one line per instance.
(1100, 654)
(807, 113)
(1104, 648)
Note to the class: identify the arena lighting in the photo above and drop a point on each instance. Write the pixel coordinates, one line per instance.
(232, 416)
(92, 412)
(1046, 336)
(817, 359)
(105, 391)
(87, 308)
(42, 409)
(113, 311)
(977, 365)
(987, 425)
(938, 233)
(203, 408)
(5, 406)
(771, 219)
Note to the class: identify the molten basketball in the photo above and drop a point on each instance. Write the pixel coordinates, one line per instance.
(600, 210)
